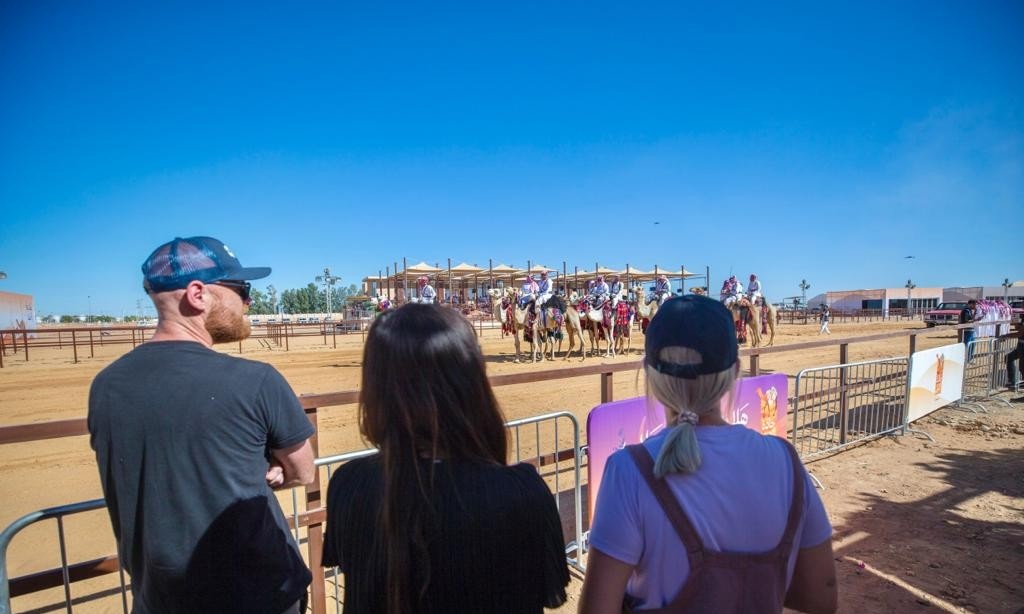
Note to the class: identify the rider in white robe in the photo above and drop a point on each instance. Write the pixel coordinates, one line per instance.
(527, 292)
(662, 291)
(614, 289)
(598, 292)
(755, 290)
(544, 289)
(427, 293)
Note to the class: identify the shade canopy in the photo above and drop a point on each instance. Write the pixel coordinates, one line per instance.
(463, 269)
(421, 267)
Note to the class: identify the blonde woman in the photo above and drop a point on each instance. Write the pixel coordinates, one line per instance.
(705, 516)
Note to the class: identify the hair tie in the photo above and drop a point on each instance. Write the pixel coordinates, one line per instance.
(687, 416)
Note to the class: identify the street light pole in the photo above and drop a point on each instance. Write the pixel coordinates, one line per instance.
(88, 319)
(1006, 290)
(910, 286)
(328, 280)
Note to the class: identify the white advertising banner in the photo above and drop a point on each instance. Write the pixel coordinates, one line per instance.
(936, 379)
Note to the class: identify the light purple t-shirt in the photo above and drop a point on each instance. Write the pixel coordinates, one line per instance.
(738, 501)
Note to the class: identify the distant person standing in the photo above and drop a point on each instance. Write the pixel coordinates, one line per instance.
(427, 293)
(969, 315)
(190, 443)
(825, 316)
(1015, 359)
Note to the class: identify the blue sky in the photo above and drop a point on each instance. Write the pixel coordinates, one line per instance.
(823, 141)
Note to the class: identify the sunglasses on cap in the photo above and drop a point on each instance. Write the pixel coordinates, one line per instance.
(242, 288)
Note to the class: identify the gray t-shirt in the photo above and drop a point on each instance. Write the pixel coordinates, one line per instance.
(182, 436)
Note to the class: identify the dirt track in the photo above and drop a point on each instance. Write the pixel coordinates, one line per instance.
(946, 518)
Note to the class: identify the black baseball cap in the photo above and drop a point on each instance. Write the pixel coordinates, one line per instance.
(176, 263)
(694, 322)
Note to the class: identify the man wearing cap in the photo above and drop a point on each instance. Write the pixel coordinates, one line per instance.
(190, 443)
(427, 293)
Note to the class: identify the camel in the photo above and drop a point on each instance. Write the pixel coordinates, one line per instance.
(643, 310)
(545, 328)
(573, 325)
(622, 330)
(595, 327)
(752, 321)
(518, 319)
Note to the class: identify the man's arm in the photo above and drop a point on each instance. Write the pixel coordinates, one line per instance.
(291, 466)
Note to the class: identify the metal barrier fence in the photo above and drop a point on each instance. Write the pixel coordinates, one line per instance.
(90, 569)
(841, 405)
(536, 440)
(986, 372)
(979, 369)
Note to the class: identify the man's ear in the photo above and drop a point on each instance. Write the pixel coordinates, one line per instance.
(196, 296)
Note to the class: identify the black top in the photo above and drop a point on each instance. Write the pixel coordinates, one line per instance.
(182, 434)
(494, 540)
(966, 315)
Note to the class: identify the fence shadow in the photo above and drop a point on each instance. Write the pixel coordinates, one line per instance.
(937, 544)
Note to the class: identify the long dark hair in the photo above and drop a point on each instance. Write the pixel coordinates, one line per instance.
(425, 396)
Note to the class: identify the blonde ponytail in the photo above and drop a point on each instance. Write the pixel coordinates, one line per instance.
(685, 401)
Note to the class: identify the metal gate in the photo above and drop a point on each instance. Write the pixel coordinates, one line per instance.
(842, 405)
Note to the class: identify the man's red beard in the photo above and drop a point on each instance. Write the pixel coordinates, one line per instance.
(226, 326)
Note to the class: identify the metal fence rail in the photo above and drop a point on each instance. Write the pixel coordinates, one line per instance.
(537, 440)
(841, 405)
(982, 359)
(1000, 378)
(68, 573)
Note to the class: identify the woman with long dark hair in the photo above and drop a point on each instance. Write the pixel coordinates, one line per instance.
(437, 522)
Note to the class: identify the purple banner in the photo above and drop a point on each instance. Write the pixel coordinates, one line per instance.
(759, 403)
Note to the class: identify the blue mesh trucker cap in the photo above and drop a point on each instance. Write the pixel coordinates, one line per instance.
(694, 322)
(176, 263)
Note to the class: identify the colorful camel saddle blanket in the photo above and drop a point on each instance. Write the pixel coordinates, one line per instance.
(556, 314)
(623, 312)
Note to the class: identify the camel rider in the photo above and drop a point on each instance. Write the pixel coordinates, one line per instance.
(427, 293)
(527, 292)
(731, 291)
(662, 291)
(599, 292)
(754, 290)
(614, 289)
(544, 289)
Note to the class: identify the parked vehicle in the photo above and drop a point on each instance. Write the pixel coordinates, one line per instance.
(944, 313)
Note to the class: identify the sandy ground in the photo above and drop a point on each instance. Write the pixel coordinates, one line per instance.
(919, 525)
